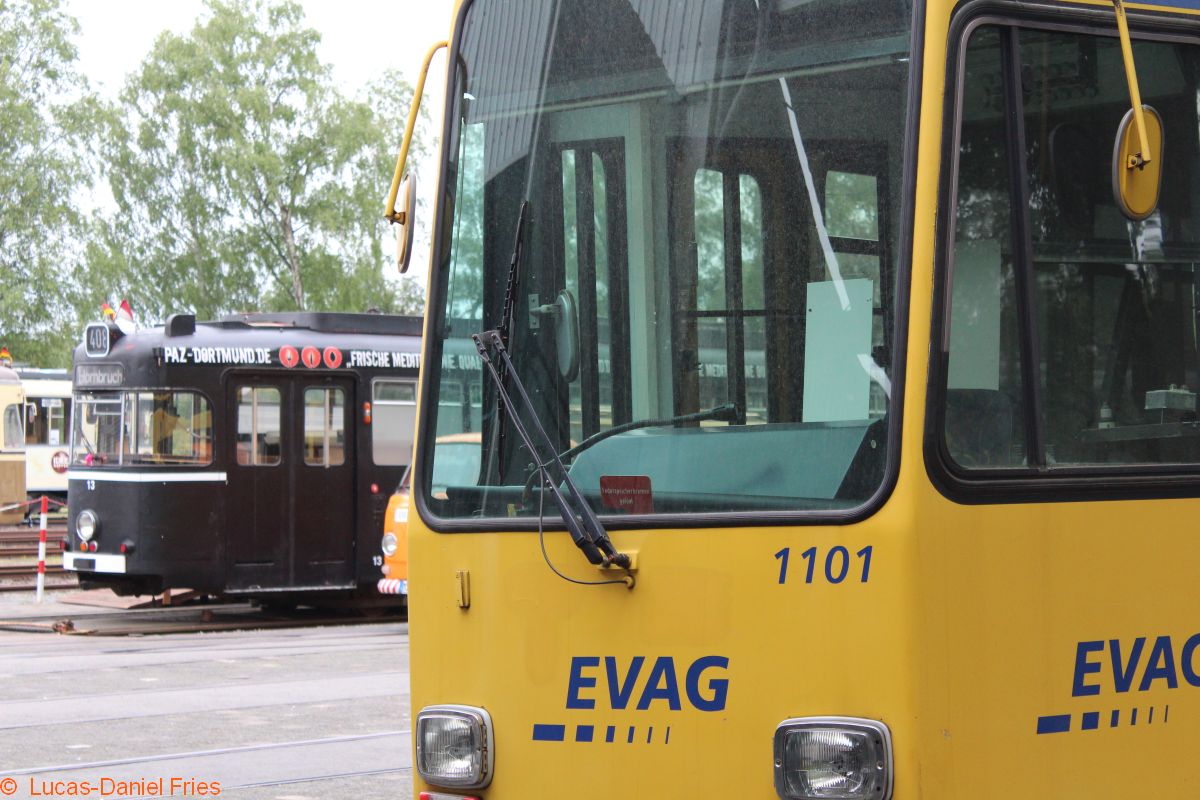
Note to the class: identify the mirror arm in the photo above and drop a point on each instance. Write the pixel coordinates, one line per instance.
(1135, 96)
(389, 211)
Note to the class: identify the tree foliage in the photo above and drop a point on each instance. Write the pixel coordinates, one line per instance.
(47, 120)
(243, 178)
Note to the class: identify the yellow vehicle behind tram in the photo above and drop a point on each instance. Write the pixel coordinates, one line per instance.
(834, 370)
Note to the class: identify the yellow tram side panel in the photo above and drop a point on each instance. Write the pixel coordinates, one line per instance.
(1019, 605)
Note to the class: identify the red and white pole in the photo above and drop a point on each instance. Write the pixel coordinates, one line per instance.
(41, 578)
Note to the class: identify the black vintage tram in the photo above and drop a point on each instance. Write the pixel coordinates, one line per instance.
(251, 456)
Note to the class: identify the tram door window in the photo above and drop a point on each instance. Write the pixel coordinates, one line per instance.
(290, 519)
(324, 427)
(258, 441)
(393, 419)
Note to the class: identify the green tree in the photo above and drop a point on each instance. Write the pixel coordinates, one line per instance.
(47, 120)
(243, 178)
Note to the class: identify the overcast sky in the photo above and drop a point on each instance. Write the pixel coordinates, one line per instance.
(359, 38)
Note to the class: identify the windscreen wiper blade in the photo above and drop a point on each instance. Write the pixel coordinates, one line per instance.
(585, 528)
(504, 329)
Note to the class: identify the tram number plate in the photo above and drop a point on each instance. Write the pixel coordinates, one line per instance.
(85, 564)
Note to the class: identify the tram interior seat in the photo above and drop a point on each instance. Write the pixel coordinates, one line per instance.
(979, 427)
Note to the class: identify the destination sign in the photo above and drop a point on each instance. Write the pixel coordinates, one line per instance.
(99, 375)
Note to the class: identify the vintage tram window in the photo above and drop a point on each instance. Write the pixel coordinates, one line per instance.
(258, 426)
(166, 428)
(14, 434)
(96, 429)
(324, 427)
(46, 421)
(393, 418)
(1064, 315)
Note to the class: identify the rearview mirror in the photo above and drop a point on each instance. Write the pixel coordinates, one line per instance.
(406, 208)
(1137, 175)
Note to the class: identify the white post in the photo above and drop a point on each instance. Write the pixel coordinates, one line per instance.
(41, 576)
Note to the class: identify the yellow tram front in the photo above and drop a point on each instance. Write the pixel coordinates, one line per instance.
(12, 446)
(835, 399)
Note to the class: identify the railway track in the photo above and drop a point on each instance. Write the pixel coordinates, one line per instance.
(20, 543)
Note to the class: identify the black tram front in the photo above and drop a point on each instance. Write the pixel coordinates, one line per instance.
(252, 456)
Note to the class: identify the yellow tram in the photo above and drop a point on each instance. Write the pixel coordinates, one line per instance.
(834, 368)
(12, 447)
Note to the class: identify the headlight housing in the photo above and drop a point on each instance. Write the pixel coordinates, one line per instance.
(455, 746)
(87, 524)
(833, 758)
(388, 545)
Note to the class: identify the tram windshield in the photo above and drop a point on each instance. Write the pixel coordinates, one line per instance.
(711, 197)
(141, 428)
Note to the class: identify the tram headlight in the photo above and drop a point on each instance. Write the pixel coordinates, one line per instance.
(388, 545)
(87, 524)
(455, 746)
(833, 758)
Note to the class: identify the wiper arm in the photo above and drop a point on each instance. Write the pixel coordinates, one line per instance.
(503, 330)
(585, 528)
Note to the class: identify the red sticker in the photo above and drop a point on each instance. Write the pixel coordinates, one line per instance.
(288, 356)
(628, 493)
(311, 357)
(59, 462)
(333, 357)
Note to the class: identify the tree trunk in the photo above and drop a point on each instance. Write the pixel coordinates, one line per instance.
(289, 239)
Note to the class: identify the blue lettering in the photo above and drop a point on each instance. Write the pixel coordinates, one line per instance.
(619, 698)
(662, 673)
(577, 681)
(1187, 661)
(1123, 673)
(1161, 665)
(719, 687)
(1083, 668)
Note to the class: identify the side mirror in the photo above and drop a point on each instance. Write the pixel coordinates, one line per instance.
(1136, 173)
(564, 315)
(407, 207)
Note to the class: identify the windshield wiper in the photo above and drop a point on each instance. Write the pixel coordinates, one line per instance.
(585, 528)
(503, 330)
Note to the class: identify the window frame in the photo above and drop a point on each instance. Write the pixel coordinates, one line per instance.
(904, 241)
(254, 389)
(327, 407)
(1034, 483)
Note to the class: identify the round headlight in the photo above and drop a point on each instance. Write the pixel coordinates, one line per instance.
(389, 544)
(87, 524)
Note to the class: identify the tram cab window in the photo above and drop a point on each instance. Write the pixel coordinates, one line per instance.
(324, 427)
(46, 421)
(707, 246)
(14, 434)
(1111, 319)
(393, 418)
(258, 431)
(96, 429)
(167, 428)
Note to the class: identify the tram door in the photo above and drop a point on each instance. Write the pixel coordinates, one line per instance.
(290, 518)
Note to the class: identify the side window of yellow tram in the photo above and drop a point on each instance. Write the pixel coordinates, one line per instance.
(1112, 308)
